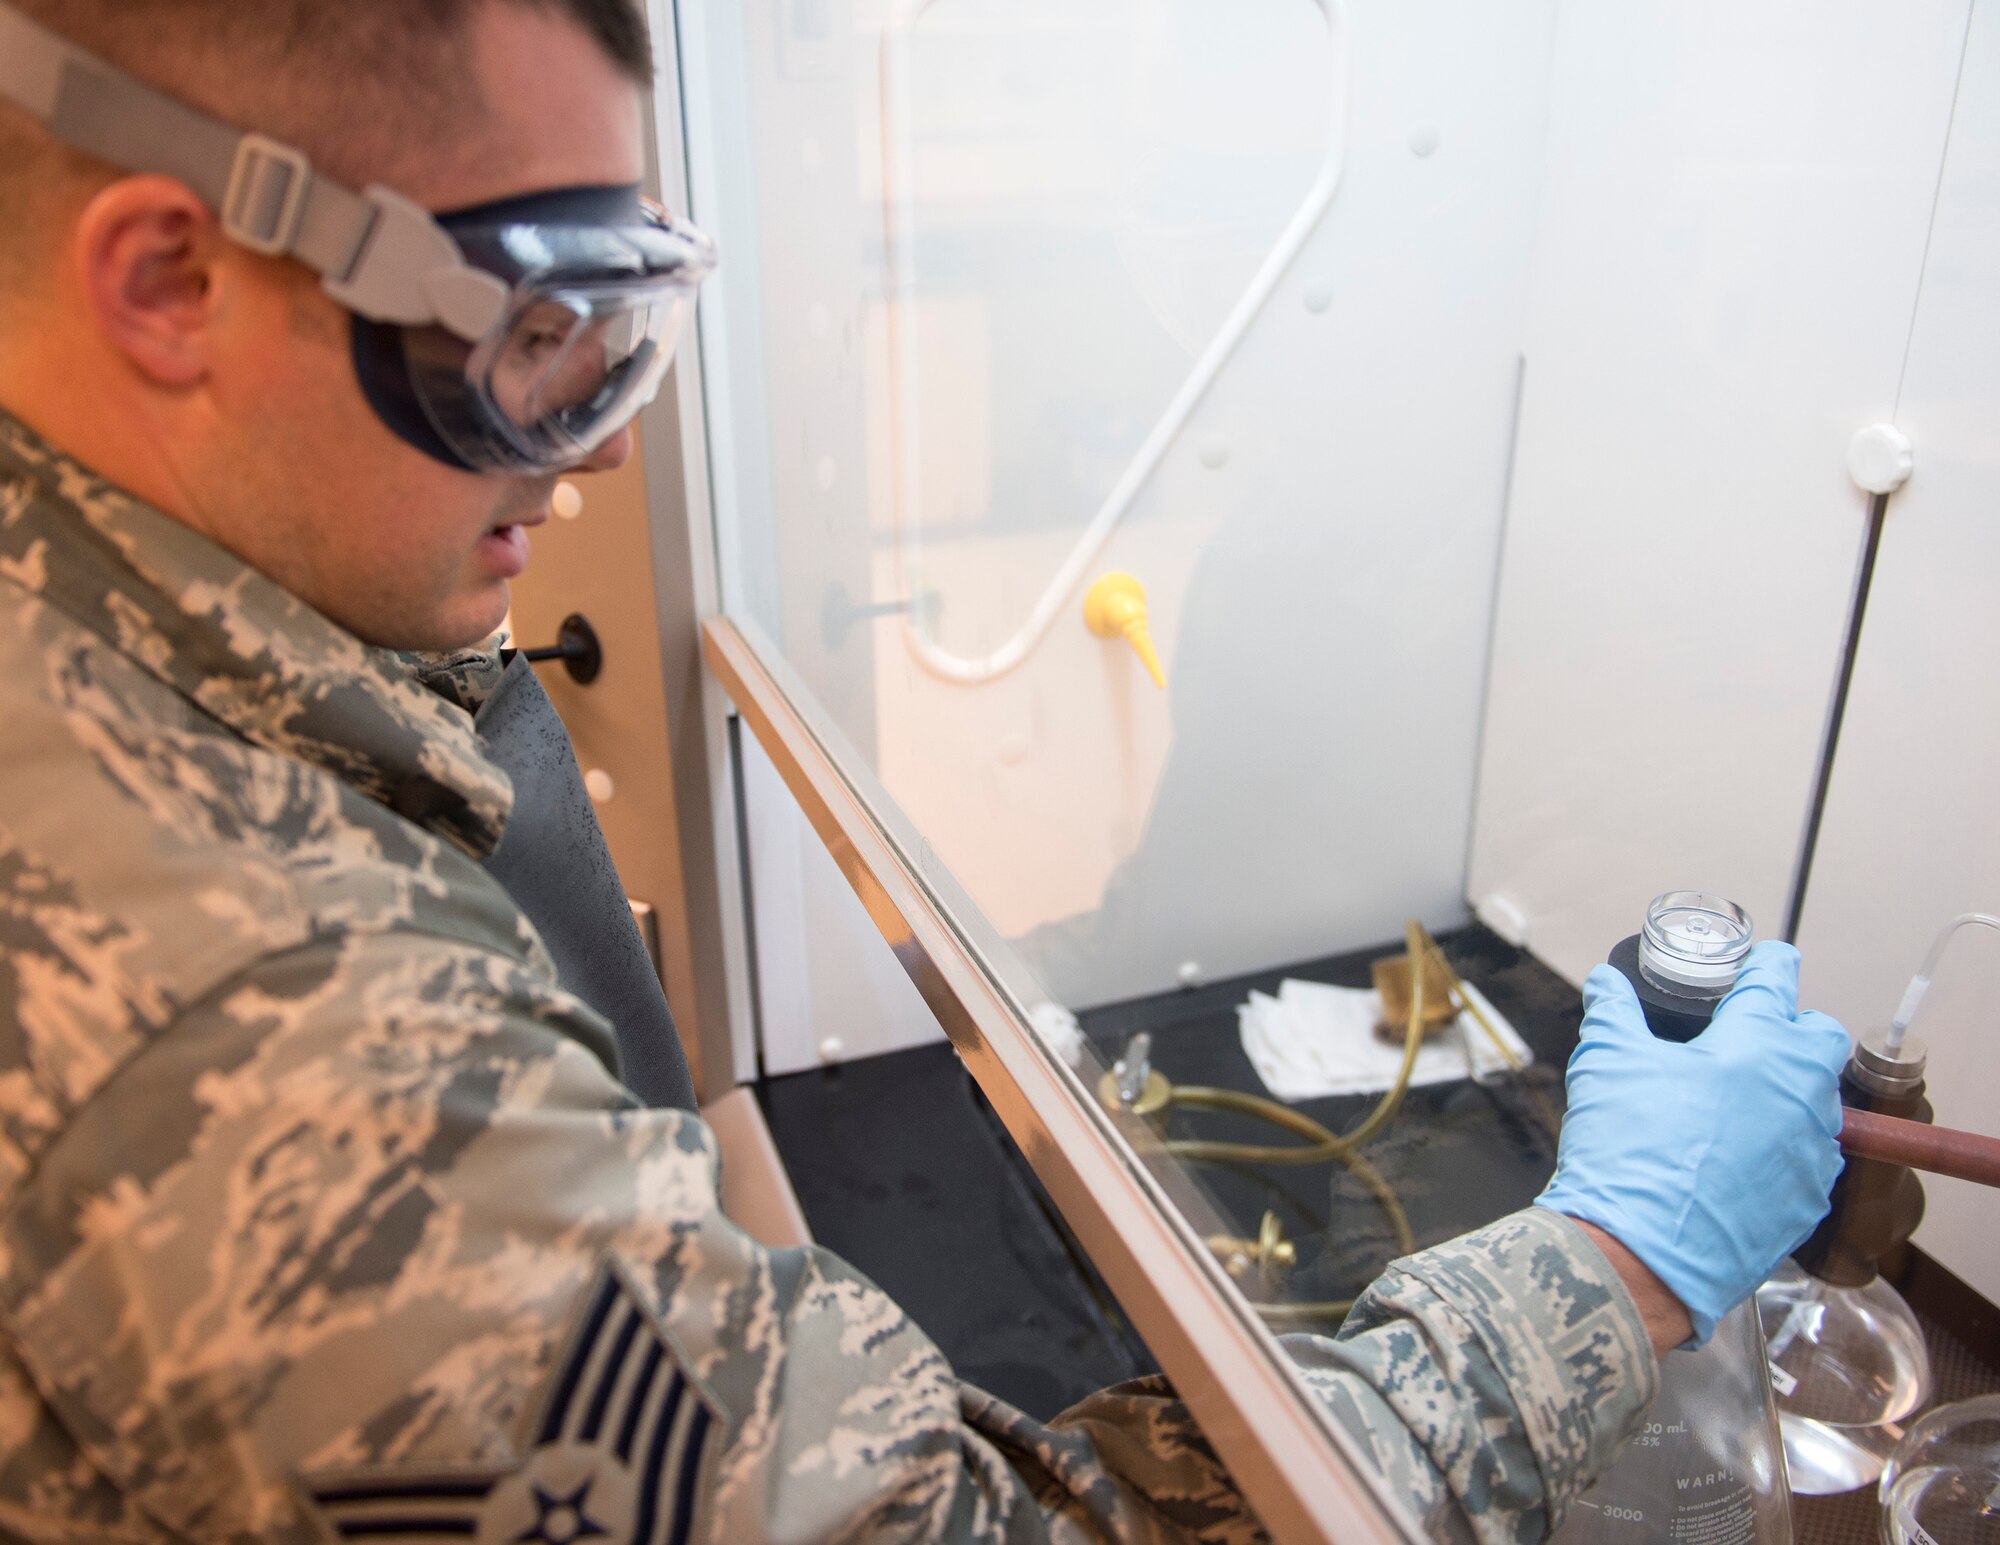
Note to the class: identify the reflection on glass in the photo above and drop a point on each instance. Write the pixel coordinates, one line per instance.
(1029, 227)
(1846, 1360)
(1942, 1484)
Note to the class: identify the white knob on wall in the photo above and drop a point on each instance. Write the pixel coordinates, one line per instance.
(1880, 458)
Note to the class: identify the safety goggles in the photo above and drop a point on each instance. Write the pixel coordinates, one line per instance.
(597, 281)
(513, 337)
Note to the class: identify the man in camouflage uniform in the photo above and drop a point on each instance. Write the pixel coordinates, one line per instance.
(323, 1213)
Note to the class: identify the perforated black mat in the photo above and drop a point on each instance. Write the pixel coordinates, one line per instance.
(903, 1170)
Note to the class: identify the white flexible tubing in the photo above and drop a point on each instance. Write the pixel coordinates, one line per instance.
(905, 411)
(1913, 995)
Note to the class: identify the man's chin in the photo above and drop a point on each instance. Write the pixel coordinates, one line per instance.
(482, 620)
(459, 624)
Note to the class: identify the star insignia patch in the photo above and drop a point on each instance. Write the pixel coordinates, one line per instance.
(616, 1453)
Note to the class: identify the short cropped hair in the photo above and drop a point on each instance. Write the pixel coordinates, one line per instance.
(361, 86)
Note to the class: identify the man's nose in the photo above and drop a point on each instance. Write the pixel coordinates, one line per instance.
(611, 455)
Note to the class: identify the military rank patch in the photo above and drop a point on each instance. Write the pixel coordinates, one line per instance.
(616, 1453)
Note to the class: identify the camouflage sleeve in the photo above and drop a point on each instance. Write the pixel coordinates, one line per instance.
(1491, 1378)
(369, 1245)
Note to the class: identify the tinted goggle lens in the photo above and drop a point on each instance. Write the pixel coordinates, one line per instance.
(575, 366)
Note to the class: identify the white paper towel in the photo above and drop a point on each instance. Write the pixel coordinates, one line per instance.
(1057, 1026)
(1312, 1041)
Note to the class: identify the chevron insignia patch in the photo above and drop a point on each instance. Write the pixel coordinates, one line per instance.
(616, 1453)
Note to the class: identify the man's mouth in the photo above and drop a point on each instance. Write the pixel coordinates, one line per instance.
(533, 515)
(506, 547)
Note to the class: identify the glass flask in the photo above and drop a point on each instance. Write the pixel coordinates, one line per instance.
(1844, 1361)
(1941, 1486)
(1706, 1466)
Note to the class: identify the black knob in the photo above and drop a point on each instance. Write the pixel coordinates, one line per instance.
(577, 647)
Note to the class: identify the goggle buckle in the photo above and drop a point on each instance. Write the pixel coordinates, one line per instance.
(266, 198)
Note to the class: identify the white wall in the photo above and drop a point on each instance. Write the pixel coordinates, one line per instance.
(828, 988)
(1728, 258)
(1912, 833)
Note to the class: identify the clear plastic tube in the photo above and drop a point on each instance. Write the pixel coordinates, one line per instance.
(1913, 995)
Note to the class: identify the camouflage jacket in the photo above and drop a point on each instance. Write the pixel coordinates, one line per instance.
(323, 1215)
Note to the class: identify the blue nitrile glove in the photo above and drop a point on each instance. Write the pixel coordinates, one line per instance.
(1709, 1161)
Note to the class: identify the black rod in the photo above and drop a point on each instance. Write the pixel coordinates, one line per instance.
(1816, 812)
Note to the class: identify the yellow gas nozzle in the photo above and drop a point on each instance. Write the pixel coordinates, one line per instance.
(1116, 608)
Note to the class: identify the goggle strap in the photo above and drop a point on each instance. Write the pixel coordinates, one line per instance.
(268, 195)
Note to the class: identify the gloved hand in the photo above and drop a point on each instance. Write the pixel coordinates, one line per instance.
(1709, 1161)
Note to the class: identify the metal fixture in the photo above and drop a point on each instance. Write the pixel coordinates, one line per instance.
(576, 646)
(839, 612)
(1267, 1260)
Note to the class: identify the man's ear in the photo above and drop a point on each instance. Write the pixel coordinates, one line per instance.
(147, 251)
